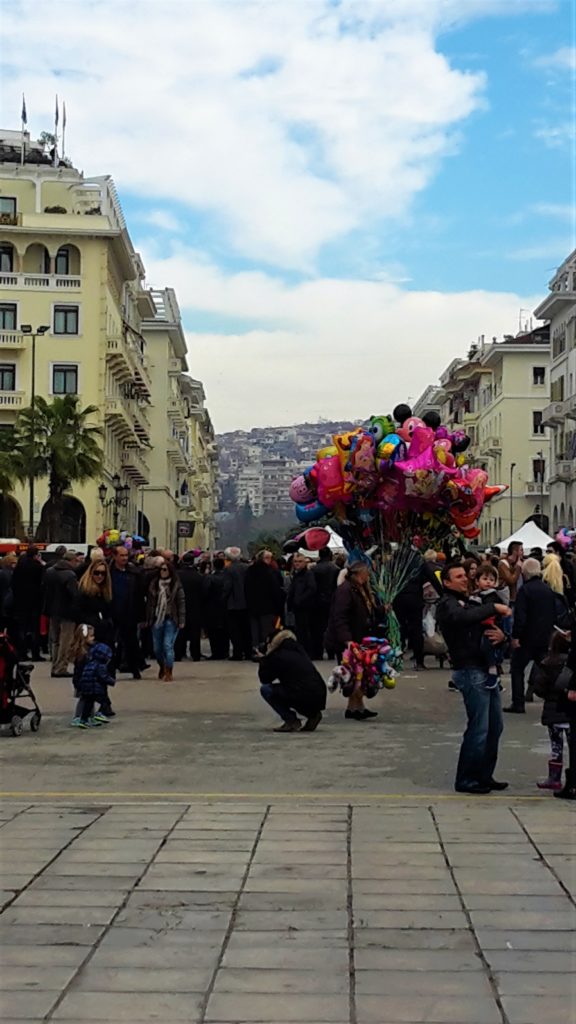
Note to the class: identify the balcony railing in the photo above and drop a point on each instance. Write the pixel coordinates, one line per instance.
(130, 363)
(135, 466)
(12, 339)
(565, 471)
(553, 413)
(41, 282)
(491, 446)
(536, 488)
(177, 408)
(12, 399)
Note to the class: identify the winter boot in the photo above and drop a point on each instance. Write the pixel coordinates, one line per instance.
(167, 675)
(161, 671)
(569, 790)
(554, 780)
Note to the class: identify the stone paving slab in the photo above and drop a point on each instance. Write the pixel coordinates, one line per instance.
(220, 913)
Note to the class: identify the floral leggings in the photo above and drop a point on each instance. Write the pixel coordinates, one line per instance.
(557, 734)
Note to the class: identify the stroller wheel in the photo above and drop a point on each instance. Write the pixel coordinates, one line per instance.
(16, 726)
(35, 721)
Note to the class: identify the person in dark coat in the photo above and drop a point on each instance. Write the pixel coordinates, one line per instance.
(7, 565)
(568, 571)
(352, 617)
(536, 611)
(128, 604)
(566, 687)
(290, 683)
(234, 596)
(28, 598)
(543, 680)
(166, 616)
(94, 602)
(409, 609)
(215, 612)
(60, 593)
(302, 600)
(264, 596)
(193, 586)
(326, 578)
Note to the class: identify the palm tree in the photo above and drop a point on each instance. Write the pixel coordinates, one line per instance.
(55, 440)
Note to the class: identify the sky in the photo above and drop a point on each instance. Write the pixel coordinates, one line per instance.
(345, 194)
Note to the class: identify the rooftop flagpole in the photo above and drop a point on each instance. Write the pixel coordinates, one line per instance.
(63, 130)
(56, 120)
(24, 119)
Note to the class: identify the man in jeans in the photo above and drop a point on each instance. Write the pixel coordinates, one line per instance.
(461, 626)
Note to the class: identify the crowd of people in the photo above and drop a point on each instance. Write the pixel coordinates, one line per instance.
(100, 615)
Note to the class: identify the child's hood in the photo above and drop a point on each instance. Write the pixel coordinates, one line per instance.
(99, 652)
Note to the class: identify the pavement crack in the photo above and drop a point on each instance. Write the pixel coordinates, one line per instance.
(466, 912)
(233, 916)
(542, 858)
(350, 921)
(92, 950)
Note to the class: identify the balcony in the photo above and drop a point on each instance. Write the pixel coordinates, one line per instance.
(177, 455)
(177, 409)
(142, 426)
(564, 471)
(570, 407)
(12, 399)
(134, 466)
(129, 364)
(553, 414)
(119, 418)
(555, 303)
(491, 446)
(174, 367)
(12, 340)
(536, 489)
(41, 282)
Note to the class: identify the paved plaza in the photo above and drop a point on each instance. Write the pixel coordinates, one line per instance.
(340, 880)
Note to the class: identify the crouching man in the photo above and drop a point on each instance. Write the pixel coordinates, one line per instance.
(290, 683)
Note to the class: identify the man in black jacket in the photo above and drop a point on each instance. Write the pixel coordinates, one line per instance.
(462, 627)
(302, 600)
(234, 597)
(536, 612)
(326, 579)
(290, 683)
(60, 595)
(193, 584)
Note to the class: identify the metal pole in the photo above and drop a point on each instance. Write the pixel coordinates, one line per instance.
(33, 432)
(115, 511)
(512, 468)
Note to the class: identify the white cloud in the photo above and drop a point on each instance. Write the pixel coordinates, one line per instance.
(556, 136)
(324, 347)
(563, 59)
(164, 220)
(292, 123)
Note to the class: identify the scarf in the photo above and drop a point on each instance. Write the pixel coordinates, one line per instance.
(162, 602)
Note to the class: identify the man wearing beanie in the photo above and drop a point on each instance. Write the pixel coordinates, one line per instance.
(536, 612)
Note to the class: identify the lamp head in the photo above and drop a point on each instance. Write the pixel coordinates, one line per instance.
(26, 328)
(43, 329)
(102, 493)
(116, 482)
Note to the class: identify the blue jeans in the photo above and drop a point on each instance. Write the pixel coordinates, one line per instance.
(273, 697)
(164, 638)
(479, 750)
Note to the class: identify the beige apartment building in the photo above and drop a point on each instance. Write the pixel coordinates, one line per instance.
(559, 309)
(67, 265)
(498, 395)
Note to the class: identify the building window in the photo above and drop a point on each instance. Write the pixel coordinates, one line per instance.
(64, 380)
(539, 375)
(539, 470)
(7, 316)
(65, 319)
(6, 259)
(557, 390)
(7, 377)
(7, 210)
(63, 261)
(537, 427)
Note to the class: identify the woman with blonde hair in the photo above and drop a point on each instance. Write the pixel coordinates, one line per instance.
(553, 574)
(94, 602)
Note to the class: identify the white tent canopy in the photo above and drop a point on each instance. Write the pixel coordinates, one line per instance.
(530, 535)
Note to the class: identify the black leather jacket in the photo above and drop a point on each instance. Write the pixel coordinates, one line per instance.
(461, 626)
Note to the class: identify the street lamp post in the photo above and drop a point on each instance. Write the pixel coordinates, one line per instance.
(27, 329)
(512, 468)
(118, 500)
(540, 455)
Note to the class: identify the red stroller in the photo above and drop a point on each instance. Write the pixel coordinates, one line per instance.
(14, 688)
